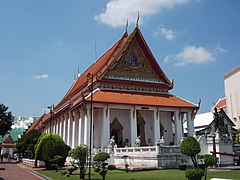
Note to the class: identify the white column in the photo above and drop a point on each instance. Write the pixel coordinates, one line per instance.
(56, 126)
(76, 119)
(105, 136)
(87, 127)
(70, 120)
(81, 128)
(73, 129)
(68, 128)
(178, 127)
(60, 126)
(133, 117)
(58, 121)
(65, 130)
(190, 123)
(156, 125)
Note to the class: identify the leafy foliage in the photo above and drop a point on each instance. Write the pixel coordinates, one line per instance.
(194, 173)
(6, 120)
(190, 147)
(80, 155)
(26, 144)
(102, 168)
(48, 146)
(210, 160)
(71, 169)
(56, 161)
(101, 157)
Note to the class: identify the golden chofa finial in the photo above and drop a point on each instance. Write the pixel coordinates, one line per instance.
(137, 20)
(126, 25)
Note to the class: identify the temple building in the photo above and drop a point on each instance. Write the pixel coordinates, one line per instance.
(124, 94)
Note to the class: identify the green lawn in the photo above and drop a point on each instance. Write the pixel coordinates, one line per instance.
(149, 175)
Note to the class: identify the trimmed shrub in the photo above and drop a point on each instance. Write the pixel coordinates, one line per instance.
(190, 147)
(102, 169)
(194, 173)
(80, 155)
(210, 160)
(49, 146)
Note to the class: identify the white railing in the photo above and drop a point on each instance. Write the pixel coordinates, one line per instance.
(31, 162)
(151, 150)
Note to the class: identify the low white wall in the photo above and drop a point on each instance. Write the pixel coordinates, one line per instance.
(32, 161)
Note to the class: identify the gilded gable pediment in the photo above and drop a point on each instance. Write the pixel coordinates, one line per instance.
(133, 65)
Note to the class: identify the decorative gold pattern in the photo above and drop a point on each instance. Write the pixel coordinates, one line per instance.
(132, 65)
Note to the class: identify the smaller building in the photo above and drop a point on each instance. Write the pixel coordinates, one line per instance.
(8, 146)
(215, 133)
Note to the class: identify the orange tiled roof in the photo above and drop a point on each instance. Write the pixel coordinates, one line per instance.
(100, 67)
(38, 122)
(221, 104)
(140, 99)
(104, 60)
(8, 140)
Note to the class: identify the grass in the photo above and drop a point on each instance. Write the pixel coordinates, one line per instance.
(149, 175)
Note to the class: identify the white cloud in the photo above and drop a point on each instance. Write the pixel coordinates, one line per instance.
(117, 11)
(219, 49)
(191, 55)
(166, 33)
(41, 76)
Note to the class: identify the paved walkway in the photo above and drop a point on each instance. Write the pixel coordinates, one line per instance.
(14, 171)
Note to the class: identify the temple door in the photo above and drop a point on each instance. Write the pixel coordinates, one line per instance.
(141, 129)
(116, 131)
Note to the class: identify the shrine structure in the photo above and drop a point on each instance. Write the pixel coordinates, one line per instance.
(125, 94)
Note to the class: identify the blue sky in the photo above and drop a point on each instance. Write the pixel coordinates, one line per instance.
(42, 44)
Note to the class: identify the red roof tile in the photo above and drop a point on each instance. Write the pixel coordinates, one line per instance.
(8, 140)
(140, 99)
(221, 104)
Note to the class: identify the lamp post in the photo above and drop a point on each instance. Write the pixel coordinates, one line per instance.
(89, 75)
(51, 113)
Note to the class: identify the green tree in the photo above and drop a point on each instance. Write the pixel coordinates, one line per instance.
(48, 146)
(26, 144)
(102, 168)
(190, 147)
(6, 120)
(79, 154)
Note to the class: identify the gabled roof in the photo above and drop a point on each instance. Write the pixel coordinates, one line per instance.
(8, 140)
(102, 65)
(37, 123)
(221, 104)
(204, 120)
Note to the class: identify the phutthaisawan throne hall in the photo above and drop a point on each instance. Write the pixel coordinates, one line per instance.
(124, 94)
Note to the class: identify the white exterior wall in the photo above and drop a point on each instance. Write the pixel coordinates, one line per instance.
(232, 92)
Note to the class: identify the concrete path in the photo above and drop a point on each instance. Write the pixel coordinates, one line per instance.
(14, 171)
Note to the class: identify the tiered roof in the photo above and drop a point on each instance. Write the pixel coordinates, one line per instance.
(149, 85)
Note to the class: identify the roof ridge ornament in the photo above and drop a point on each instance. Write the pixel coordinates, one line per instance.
(126, 25)
(137, 20)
